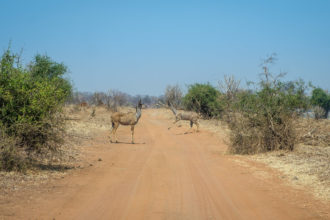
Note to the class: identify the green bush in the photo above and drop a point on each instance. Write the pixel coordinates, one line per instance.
(318, 112)
(203, 98)
(31, 101)
(322, 99)
(295, 93)
(261, 120)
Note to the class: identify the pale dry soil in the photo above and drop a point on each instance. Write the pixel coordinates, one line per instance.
(167, 174)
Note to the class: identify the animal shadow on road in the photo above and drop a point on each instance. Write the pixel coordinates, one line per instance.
(52, 167)
(187, 132)
(125, 142)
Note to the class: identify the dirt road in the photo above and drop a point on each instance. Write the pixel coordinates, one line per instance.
(166, 175)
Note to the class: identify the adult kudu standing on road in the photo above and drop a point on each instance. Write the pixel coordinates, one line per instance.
(131, 118)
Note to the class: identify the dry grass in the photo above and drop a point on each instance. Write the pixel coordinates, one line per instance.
(313, 132)
(309, 164)
(218, 127)
(306, 166)
(81, 128)
(15, 181)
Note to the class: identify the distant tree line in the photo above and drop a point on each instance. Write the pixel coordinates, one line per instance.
(113, 99)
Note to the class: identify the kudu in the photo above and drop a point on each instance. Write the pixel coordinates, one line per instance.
(119, 118)
(193, 117)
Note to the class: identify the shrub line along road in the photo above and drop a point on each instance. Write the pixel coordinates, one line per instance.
(166, 175)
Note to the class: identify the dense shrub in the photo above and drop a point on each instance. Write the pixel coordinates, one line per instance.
(261, 119)
(31, 101)
(10, 157)
(203, 98)
(322, 99)
(295, 93)
(318, 112)
(263, 122)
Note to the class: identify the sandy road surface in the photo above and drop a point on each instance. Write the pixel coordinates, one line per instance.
(167, 175)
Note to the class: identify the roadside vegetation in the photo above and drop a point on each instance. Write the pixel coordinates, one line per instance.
(262, 119)
(321, 101)
(263, 116)
(31, 104)
(203, 98)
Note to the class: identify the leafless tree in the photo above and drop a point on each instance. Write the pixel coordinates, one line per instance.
(173, 94)
(229, 86)
(115, 98)
(98, 97)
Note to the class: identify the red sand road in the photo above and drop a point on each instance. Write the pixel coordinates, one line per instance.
(166, 175)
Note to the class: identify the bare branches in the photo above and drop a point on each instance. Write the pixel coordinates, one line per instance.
(270, 78)
(173, 94)
(229, 86)
(98, 97)
(115, 98)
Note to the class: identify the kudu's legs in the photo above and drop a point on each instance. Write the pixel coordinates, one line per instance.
(176, 120)
(132, 129)
(111, 129)
(113, 132)
(197, 124)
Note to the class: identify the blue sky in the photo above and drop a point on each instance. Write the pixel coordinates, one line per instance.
(140, 47)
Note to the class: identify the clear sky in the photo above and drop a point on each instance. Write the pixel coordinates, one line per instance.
(140, 47)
